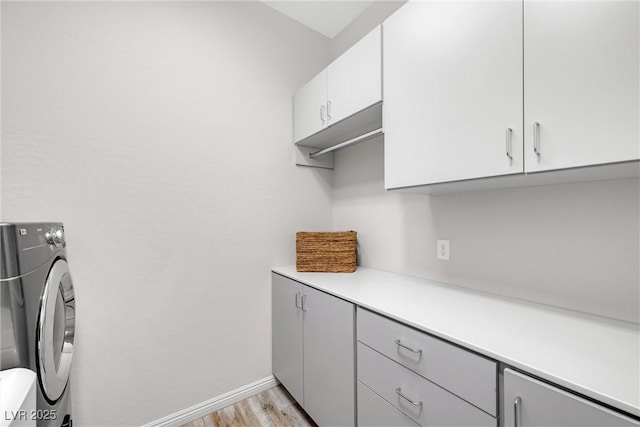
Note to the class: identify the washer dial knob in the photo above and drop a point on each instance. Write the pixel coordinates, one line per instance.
(58, 238)
(55, 236)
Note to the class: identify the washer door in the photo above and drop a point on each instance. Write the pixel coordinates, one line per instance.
(56, 329)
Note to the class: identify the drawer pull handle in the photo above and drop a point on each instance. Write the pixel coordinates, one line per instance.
(399, 393)
(413, 350)
(517, 409)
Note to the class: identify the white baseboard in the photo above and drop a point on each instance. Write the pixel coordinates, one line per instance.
(201, 409)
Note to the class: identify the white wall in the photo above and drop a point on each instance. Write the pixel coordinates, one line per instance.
(160, 133)
(574, 245)
(372, 16)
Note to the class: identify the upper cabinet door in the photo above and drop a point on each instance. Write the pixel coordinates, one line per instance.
(309, 107)
(355, 78)
(452, 89)
(581, 83)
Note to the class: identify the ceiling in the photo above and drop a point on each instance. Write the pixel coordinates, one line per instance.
(326, 17)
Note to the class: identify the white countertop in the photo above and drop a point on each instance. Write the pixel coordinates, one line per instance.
(594, 356)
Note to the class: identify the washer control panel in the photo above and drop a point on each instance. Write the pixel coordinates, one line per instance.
(27, 246)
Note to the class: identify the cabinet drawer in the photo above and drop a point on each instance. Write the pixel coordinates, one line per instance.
(434, 406)
(472, 377)
(374, 411)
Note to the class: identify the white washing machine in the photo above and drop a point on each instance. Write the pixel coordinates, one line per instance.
(37, 320)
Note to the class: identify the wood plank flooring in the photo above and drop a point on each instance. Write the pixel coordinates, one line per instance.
(271, 408)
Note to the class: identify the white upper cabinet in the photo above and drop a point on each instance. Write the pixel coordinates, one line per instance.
(562, 75)
(452, 91)
(343, 101)
(355, 78)
(581, 83)
(309, 107)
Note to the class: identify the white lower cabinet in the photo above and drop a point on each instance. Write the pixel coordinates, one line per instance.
(313, 350)
(529, 402)
(404, 376)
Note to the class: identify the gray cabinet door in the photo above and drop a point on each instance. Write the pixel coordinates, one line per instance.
(542, 405)
(329, 365)
(287, 340)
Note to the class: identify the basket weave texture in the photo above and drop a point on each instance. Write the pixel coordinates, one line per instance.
(326, 252)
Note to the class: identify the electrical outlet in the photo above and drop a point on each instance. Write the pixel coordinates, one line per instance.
(443, 249)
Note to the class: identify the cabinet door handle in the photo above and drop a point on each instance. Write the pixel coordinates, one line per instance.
(329, 110)
(303, 302)
(399, 393)
(517, 412)
(297, 299)
(322, 109)
(536, 138)
(509, 143)
(413, 350)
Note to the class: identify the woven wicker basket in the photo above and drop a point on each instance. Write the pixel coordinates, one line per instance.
(326, 252)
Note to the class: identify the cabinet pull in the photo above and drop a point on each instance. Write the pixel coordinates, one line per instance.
(297, 299)
(399, 344)
(303, 302)
(509, 143)
(517, 410)
(322, 107)
(329, 110)
(399, 393)
(536, 138)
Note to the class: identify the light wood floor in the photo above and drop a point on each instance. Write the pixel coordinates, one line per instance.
(271, 408)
